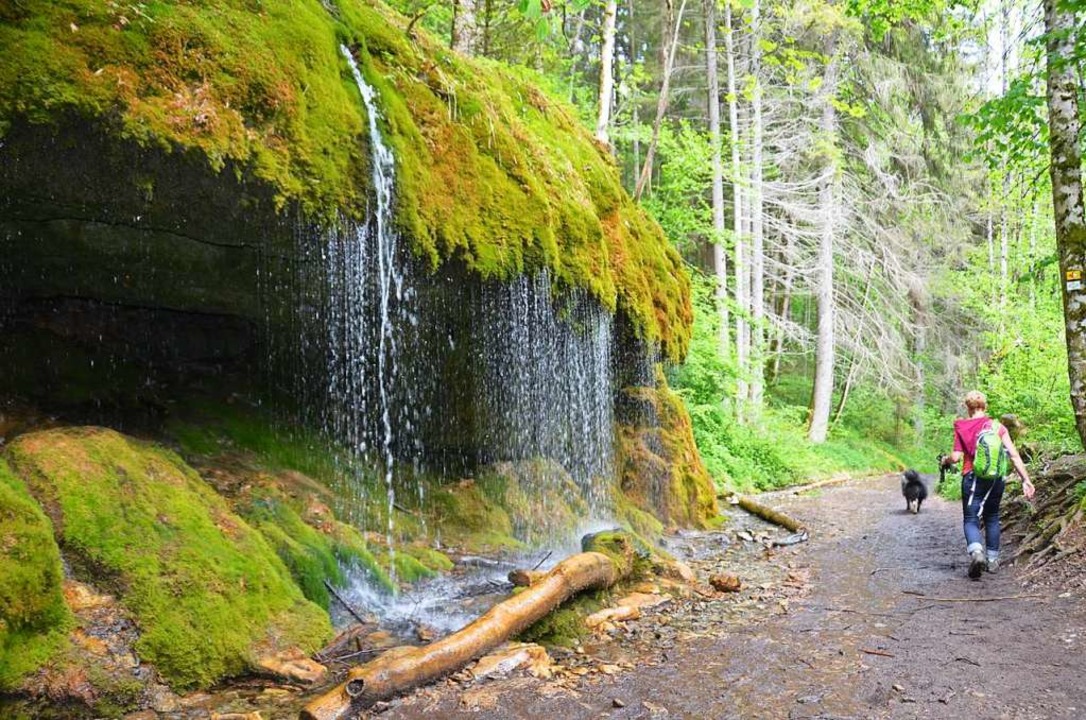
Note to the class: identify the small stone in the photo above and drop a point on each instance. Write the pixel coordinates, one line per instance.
(293, 665)
(725, 582)
(899, 688)
(615, 702)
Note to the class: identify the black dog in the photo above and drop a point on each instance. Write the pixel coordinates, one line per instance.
(914, 489)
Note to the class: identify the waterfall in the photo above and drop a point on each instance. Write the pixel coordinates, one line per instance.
(371, 303)
(413, 370)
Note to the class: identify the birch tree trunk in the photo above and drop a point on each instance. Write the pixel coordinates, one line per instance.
(607, 72)
(662, 101)
(720, 256)
(742, 334)
(465, 30)
(822, 394)
(1067, 200)
(757, 243)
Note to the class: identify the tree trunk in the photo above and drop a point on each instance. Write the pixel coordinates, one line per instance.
(465, 29)
(720, 255)
(822, 394)
(405, 668)
(1067, 200)
(742, 332)
(662, 101)
(757, 242)
(607, 72)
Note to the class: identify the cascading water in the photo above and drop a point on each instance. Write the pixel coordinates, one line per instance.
(412, 370)
(369, 307)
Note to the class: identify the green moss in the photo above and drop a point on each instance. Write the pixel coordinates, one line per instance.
(431, 559)
(660, 469)
(33, 616)
(565, 627)
(490, 170)
(470, 521)
(259, 84)
(207, 592)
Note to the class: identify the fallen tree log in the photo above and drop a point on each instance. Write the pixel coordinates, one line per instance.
(608, 558)
(769, 514)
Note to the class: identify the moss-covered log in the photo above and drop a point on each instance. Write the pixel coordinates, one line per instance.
(404, 668)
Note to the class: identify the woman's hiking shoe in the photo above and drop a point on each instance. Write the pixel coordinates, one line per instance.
(993, 565)
(977, 563)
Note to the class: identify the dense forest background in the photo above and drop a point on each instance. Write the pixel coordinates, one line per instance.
(862, 190)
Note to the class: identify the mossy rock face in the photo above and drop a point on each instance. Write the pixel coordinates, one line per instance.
(256, 103)
(660, 471)
(208, 593)
(33, 617)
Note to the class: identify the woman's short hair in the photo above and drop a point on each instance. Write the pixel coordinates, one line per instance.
(975, 400)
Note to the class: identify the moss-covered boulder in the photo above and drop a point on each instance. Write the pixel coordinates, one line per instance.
(208, 594)
(33, 617)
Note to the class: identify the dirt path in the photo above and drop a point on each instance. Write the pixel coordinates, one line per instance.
(870, 640)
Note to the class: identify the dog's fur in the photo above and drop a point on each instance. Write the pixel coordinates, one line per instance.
(914, 489)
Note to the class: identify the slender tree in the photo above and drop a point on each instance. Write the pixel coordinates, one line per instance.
(825, 345)
(1067, 201)
(665, 93)
(720, 256)
(607, 72)
(757, 226)
(742, 330)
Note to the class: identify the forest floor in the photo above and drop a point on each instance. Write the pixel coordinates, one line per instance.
(872, 618)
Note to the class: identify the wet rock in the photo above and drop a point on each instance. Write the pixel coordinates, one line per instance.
(613, 615)
(293, 665)
(643, 600)
(381, 639)
(617, 703)
(81, 596)
(514, 656)
(237, 716)
(725, 582)
(677, 570)
(162, 700)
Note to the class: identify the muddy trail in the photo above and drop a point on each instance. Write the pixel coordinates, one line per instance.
(873, 618)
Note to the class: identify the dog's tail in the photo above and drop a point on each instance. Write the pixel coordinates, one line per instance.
(912, 476)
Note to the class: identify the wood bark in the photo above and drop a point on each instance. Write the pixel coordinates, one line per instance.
(757, 240)
(769, 514)
(822, 394)
(1067, 201)
(742, 331)
(664, 98)
(720, 255)
(404, 668)
(465, 29)
(607, 72)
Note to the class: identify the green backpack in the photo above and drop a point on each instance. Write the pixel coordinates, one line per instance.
(991, 461)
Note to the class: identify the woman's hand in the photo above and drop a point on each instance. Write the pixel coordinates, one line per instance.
(1027, 488)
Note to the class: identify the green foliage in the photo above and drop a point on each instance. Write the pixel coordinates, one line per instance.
(208, 593)
(772, 450)
(33, 616)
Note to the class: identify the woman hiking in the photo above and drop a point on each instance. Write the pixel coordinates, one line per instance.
(983, 479)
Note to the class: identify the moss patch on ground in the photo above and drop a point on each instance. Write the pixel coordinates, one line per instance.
(207, 591)
(34, 619)
(490, 170)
